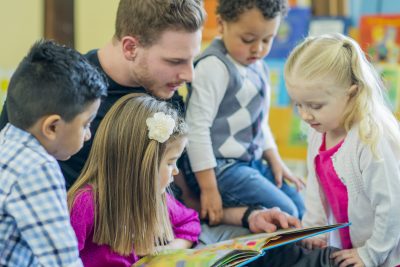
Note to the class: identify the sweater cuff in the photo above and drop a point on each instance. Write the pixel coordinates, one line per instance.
(365, 257)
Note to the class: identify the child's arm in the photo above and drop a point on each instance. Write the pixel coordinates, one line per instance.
(271, 154)
(185, 224)
(82, 216)
(210, 198)
(280, 170)
(381, 182)
(37, 202)
(178, 243)
(315, 213)
(208, 90)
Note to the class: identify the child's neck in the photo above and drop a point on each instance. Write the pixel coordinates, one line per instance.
(334, 138)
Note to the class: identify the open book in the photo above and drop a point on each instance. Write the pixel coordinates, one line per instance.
(234, 252)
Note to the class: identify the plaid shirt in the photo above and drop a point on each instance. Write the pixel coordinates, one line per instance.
(35, 229)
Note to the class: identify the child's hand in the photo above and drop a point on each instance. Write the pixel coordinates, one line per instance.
(211, 206)
(347, 257)
(312, 243)
(281, 171)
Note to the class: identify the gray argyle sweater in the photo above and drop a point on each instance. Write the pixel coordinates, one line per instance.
(237, 130)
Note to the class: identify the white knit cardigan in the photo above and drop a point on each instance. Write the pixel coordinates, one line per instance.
(373, 187)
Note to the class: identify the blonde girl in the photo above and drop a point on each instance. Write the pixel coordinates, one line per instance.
(119, 208)
(353, 150)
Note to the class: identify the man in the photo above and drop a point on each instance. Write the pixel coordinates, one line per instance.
(152, 51)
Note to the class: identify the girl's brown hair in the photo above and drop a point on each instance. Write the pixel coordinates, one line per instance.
(122, 170)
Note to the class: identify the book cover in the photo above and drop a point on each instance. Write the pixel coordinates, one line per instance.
(234, 252)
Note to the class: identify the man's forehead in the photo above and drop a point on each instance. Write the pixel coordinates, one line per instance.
(179, 42)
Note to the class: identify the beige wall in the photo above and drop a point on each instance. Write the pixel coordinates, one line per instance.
(94, 23)
(20, 26)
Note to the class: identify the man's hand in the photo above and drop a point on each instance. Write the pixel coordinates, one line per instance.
(211, 206)
(347, 257)
(270, 220)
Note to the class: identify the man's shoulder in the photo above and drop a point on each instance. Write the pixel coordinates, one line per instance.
(92, 57)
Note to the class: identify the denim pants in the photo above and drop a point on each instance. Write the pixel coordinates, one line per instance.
(242, 183)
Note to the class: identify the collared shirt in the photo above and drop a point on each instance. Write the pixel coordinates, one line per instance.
(34, 223)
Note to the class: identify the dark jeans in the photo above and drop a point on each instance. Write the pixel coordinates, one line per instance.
(295, 256)
(248, 183)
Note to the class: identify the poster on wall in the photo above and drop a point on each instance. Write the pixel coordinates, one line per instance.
(293, 29)
(380, 37)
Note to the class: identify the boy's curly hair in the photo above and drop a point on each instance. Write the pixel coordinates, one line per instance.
(230, 10)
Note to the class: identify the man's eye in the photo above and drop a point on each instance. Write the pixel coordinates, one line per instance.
(174, 62)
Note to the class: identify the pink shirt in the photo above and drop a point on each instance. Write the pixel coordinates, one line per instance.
(185, 223)
(334, 189)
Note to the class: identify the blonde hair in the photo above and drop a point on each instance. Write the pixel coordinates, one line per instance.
(337, 61)
(123, 170)
(147, 19)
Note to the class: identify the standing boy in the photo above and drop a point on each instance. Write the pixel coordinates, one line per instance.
(52, 98)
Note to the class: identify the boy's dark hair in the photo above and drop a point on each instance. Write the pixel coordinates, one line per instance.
(230, 10)
(52, 79)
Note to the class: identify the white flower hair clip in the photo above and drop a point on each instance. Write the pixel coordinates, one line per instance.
(161, 126)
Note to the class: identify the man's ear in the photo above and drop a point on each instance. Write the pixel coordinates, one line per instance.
(129, 47)
(353, 90)
(50, 126)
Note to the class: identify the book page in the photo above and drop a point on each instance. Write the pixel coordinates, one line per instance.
(234, 252)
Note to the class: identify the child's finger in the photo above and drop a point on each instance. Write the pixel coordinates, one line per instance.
(203, 213)
(348, 262)
(340, 256)
(211, 217)
(300, 184)
(278, 179)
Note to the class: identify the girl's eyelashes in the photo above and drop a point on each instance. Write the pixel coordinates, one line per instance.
(311, 106)
(247, 41)
(316, 107)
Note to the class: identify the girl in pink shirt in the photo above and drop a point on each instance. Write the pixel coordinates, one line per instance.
(353, 154)
(119, 208)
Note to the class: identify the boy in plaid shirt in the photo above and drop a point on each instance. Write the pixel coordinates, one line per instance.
(52, 98)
